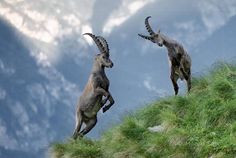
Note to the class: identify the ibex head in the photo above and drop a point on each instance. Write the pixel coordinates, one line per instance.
(154, 37)
(103, 57)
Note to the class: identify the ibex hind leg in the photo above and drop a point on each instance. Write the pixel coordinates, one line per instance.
(78, 124)
(187, 77)
(174, 79)
(189, 84)
(90, 123)
(186, 70)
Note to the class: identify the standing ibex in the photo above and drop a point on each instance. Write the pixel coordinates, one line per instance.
(180, 61)
(92, 98)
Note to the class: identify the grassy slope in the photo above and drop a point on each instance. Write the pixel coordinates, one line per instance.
(201, 124)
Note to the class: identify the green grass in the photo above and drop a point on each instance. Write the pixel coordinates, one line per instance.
(199, 125)
(80, 148)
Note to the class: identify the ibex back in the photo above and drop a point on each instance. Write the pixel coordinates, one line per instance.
(96, 92)
(180, 61)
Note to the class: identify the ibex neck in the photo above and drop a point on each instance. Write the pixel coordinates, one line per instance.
(167, 41)
(98, 68)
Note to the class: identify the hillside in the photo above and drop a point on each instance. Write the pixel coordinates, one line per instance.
(200, 124)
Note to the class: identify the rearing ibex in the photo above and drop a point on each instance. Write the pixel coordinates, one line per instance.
(92, 98)
(180, 61)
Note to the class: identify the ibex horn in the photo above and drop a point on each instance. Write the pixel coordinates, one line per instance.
(146, 37)
(148, 27)
(104, 42)
(97, 42)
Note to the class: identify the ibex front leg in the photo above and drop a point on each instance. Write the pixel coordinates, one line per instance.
(108, 96)
(101, 91)
(174, 77)
(111, 102)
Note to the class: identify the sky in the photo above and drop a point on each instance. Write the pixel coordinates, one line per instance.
(45, 60)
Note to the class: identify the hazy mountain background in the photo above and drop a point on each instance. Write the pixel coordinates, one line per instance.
(45, 61)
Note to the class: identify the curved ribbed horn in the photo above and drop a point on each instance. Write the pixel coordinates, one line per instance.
(146, 37)
(104, 42)
(97, 42)
(148, 27)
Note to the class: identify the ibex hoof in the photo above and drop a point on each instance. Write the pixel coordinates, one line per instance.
(105, 109)
(74, 137)
(176, 92)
